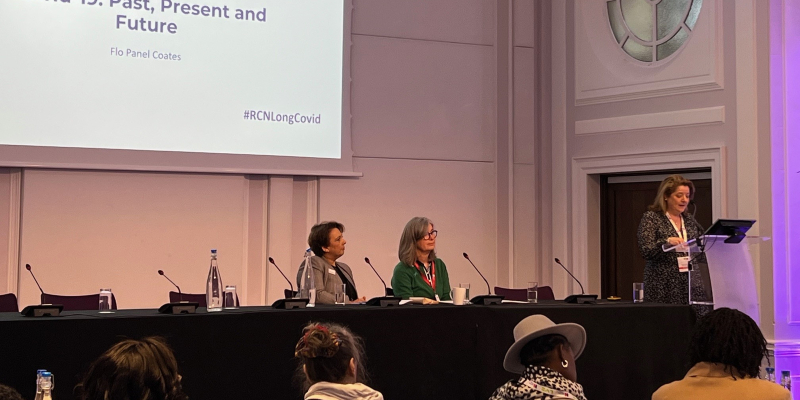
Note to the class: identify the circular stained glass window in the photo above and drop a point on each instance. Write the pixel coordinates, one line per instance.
(652, 30)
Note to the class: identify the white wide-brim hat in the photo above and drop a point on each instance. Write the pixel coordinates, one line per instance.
(536, 326)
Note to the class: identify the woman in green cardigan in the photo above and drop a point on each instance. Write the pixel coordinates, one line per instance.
(419, 273)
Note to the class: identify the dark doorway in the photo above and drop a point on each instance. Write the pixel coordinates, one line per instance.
(624, 198)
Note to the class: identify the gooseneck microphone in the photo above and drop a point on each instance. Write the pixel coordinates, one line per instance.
(388, 299)
(385, 290)
(28, 267)
(577, 298)
(271, 261)
(570, 274)
(180, 295)
(479, 273)
(486, 299)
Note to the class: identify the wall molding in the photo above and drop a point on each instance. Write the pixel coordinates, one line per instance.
(14, 223)
(639, 122)
(694, 79)
(586, 208)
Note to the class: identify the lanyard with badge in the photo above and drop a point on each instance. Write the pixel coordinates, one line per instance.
(683, 262)
(548, 391)
(428, 275)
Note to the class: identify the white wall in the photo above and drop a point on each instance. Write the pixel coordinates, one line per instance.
(424, 107)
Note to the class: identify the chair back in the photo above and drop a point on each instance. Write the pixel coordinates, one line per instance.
(8, 303)
(289, 293)
(77, 303)
(389, 292)
(175, 297)
(512, 294)
(543, 293)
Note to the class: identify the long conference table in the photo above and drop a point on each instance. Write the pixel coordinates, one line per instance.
(413, 351)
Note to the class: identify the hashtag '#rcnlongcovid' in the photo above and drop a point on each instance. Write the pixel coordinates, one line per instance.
(246, 114)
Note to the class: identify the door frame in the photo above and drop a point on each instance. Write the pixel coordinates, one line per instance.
(585, 250)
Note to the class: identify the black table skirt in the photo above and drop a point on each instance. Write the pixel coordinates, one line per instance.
(413, 352)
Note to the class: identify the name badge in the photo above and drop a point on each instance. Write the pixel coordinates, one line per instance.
(683, 264)
(332, 272)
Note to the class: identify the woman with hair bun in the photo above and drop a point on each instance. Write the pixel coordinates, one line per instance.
(331, 364)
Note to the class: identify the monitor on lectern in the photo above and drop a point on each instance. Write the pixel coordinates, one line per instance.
(734, 229)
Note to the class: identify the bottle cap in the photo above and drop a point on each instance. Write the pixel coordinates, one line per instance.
(46, 374)
(213, 251)
(770, 369)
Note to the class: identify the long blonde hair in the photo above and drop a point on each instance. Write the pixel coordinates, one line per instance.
(668, 186)
(415, 230)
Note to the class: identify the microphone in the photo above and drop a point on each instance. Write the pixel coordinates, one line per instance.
(28, 267)
(291, 302)
(271, 261)
(180, 295)
(486, 299)
(385, 290)
(577, 298)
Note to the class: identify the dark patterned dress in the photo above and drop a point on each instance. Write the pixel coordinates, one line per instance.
(663, 283)
(517, 389)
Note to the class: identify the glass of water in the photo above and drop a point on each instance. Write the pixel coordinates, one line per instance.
(230, 299)
(340, 294)
(533, 292)
(466, 286)
(638, 292)
(105, 301)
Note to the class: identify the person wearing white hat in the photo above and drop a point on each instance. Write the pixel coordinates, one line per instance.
(544, 353)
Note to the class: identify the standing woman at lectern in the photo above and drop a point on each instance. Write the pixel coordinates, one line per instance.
(419, 273)
(666, 276)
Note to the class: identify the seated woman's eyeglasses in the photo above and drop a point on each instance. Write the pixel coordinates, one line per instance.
(431, 235)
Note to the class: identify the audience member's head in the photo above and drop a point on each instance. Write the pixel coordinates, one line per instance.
(134, 370)
(8, 393)
(540, 342)
(731, 338)
(330, 353)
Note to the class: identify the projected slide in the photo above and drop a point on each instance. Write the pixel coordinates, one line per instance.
(257, 77)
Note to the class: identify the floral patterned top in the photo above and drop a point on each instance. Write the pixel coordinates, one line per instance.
(518, 389)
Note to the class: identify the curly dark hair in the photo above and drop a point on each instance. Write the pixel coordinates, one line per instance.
(133, 370)
(729, 337)
(326, 350)
(9, 393)
(319, 236)
(537, 351)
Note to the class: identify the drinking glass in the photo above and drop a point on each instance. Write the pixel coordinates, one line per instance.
(340, 294)
(533, 292)
(466, 286)
(105, 301)
(230, 300)
(638, 292)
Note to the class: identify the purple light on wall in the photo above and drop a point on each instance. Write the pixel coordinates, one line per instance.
(785, 138)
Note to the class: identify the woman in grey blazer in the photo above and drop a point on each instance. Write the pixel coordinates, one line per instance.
(327, 241)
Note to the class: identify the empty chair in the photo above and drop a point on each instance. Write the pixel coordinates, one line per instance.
(544, 293)
(77, 303)
(8, 303)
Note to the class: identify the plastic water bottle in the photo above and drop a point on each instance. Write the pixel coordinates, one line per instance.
(214, 285)
(307, 287)
(39, 384)
(47, 385)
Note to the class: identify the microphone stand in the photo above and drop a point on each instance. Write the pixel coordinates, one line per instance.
(577, 298)
(487, 299)
(383, 301)
(290, 303)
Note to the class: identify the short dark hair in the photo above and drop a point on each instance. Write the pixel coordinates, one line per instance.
(537, 351)
(9, 393)
(133, 370)
(729, 337)
(320, 236)
(325, 350)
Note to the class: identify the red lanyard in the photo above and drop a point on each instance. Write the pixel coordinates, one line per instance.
(432, 282)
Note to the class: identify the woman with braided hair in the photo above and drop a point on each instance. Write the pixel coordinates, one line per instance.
(331, 360)
(727, 350)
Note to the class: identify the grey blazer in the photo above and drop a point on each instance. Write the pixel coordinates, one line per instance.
(324, 272)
